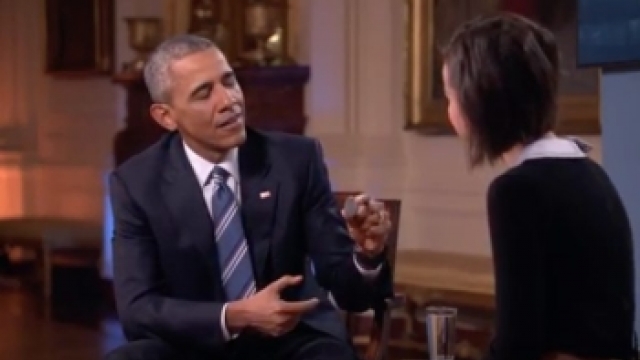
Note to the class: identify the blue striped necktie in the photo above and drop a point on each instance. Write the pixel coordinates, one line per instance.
(235, 261)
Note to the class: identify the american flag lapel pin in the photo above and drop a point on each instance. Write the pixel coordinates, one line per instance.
(265, 194)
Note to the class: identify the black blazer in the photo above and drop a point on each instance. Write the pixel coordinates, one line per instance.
(166, 275)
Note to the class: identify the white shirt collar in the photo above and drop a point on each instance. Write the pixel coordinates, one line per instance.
(552, 147)
(203, 167)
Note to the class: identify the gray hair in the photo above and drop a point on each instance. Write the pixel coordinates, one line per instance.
(156, 71)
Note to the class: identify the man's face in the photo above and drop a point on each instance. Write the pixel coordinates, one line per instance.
(205, 102)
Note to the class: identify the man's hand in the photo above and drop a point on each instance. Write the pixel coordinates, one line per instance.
(368, 222)
(266, 312)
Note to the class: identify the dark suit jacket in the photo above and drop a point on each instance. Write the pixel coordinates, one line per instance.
(166, 275)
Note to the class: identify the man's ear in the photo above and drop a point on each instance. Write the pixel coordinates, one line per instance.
(161, 113)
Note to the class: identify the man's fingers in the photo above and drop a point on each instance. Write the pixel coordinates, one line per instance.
(371, 245)
(375, 205)
(368, 206)
(372, 219)
(361, 203)
(362, 199)
(368, 202)
(376, 218)
(361, 206)
(377, 231)
(285, 282)
(362, 211)
(299, 307)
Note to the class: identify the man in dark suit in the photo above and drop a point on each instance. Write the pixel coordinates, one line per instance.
(214, 226)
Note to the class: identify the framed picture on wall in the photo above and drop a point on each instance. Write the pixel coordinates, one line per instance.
(79, 37)
(430, 23)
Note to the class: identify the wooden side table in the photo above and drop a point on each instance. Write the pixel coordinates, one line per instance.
(55, 241)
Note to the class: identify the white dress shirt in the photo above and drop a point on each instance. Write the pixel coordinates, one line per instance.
(202, 169)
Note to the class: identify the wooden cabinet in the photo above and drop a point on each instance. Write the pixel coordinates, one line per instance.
(140, 129)
(274, 99)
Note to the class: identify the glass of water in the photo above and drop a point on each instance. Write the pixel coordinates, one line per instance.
(441, 331)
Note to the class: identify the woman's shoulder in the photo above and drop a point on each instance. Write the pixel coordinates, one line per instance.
(547, 171)
(547, 178)
(514, 182)
(529, 181)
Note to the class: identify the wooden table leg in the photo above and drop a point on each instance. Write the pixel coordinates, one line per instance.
(46, 280)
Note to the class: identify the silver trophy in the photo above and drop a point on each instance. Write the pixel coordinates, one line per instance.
(441, 331)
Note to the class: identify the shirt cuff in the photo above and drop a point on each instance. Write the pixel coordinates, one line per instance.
(367, 273)
(223, 325)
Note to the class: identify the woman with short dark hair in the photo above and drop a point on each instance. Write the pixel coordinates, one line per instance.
(560, 236)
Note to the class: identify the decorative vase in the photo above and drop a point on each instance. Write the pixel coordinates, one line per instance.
(145, 34)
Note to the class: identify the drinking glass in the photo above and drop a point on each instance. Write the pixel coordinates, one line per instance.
(441, 330)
